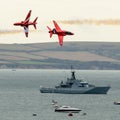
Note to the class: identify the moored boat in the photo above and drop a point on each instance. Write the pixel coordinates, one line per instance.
(67, 109)
(117, 103)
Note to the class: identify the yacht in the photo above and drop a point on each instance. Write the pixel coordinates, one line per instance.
(67, 109)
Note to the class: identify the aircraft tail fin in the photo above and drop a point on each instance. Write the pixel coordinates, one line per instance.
(34, 22)
(50, 31)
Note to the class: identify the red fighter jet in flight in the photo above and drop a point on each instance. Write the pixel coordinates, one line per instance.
(26, 23)
(61, 33)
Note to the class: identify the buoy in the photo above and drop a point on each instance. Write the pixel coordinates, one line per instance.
(54, 102)
(34, 114)
(84, 114)
(70, 114)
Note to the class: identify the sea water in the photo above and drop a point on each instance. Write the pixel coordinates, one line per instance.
(20, 98)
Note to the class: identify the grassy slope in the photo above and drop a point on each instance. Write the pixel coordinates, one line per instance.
(51, 55)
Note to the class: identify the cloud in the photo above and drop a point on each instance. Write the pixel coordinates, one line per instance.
(93, 22)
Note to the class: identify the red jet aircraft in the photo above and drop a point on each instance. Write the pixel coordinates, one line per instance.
(26, 23)
(61, 33)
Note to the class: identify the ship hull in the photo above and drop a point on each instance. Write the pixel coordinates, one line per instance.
(86, 90)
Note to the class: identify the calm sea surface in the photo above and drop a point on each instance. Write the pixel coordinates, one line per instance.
(20, 97)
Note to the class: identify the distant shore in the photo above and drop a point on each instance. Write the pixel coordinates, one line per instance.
(82, 55)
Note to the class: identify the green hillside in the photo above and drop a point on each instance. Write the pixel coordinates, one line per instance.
(82, 55)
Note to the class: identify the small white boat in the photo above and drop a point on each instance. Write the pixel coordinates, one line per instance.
(67, 109)
(117, 103)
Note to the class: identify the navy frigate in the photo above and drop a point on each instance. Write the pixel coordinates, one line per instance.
(75, 86)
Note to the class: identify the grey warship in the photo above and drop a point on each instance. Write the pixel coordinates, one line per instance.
(76, 86)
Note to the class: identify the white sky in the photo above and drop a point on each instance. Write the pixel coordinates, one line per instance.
(47, 10)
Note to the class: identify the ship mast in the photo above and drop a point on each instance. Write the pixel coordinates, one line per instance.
(72, 74)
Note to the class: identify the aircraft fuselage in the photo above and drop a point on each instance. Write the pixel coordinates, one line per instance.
(23, 24)
(63, 33)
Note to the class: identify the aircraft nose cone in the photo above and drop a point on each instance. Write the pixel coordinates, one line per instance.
(14, 24)
(72, 33)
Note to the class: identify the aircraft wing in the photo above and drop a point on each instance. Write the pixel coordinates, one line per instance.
(26, 31)
(28, 17)
(57, 26)
(60, 37)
